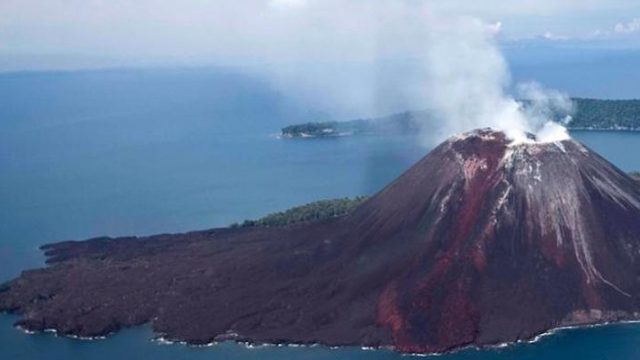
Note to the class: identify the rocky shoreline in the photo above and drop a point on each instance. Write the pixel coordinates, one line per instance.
(609, 320)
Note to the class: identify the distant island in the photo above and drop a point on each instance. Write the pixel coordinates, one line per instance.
(401, 123)
(591, 114)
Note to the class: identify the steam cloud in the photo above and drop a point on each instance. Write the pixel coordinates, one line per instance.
(467, 78)
(455, 69)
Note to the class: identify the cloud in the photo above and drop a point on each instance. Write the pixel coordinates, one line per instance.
(554, 37)
(208, 30)
(628, 28)
(465, 78)
(287, 3)
(495, 28)
(617, 34)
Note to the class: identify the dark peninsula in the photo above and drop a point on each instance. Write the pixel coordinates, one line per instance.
(479, 243)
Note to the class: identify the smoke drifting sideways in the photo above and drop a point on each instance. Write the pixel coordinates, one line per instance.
(466, 83)
(405, 56)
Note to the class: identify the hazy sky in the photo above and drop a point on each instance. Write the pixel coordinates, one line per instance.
(463, 59)
(85, 32)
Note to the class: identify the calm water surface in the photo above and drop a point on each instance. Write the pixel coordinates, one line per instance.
(141, 152)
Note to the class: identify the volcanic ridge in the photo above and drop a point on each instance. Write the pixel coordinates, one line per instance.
(481, 242)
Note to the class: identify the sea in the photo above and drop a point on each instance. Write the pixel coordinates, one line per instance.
(138, 152)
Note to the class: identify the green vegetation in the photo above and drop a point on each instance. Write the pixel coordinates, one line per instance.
(315, 211)
(591, 114)
(606, 114)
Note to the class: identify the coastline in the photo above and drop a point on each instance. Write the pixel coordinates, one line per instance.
(161, 340)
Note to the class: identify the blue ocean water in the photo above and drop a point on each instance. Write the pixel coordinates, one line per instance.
(124, 152)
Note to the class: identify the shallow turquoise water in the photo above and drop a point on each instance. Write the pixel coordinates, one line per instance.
(140, 152)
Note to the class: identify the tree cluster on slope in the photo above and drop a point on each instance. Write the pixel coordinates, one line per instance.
(606, 114)
(314, 211)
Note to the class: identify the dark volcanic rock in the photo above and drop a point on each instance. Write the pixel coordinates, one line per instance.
(480, 242)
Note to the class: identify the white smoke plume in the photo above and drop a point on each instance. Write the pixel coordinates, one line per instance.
(467, 80)
(547, 111)
(454, 68)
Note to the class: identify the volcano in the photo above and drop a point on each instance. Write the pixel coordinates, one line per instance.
(483, 241)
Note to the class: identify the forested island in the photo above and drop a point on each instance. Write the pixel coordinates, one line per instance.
(590, 114)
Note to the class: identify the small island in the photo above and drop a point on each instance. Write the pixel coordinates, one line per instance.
(401, 123)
